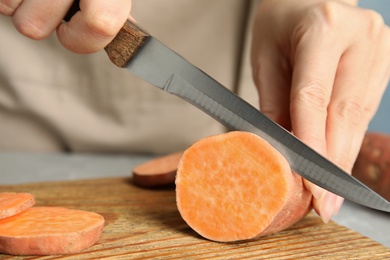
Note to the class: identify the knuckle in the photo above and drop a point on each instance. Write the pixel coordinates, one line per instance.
(33, 29)
(374, 23)
(328, 11)
(7, 7)
(353, 112)
(320, 20)
(104, 25)
(312, 95)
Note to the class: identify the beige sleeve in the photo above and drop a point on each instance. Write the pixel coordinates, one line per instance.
(52, 100)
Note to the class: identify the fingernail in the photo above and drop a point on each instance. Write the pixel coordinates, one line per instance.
(318, 192)
(328, 203)
(337, 207)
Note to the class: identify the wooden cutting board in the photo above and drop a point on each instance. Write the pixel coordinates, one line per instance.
(145, 224)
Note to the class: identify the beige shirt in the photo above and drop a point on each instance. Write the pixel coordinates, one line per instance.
(52, 100)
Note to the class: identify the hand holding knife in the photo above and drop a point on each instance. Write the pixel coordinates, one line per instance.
(143, 55)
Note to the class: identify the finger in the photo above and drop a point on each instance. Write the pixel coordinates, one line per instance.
(37, 19)
(272, 76)
(352, 107)
(8, 7)
(312, 84)
(94, 26)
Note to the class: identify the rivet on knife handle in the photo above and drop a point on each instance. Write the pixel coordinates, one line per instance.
(126, 43)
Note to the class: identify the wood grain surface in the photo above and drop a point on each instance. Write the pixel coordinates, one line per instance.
(145, 224)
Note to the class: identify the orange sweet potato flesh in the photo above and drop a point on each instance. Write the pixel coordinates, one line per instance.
(236, 186)
(157, 172)
(12, 203)
(372, 166)
(49, 231)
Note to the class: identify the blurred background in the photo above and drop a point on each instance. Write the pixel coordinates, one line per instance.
(381, 121)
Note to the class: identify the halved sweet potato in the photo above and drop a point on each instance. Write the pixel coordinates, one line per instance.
(236, 186)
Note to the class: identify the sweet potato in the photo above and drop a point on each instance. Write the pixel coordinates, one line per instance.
(49, 231)
(236, 186)
(372, 166)
(12, 203)
(157, 172)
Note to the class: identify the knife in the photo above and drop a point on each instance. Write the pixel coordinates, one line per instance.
(137, 51)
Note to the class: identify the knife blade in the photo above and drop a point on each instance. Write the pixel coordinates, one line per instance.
(137, 51)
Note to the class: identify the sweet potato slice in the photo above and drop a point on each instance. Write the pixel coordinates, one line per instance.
(12, 203)
(236, 186)
(49, 231)
(157, 172)
(372, 166)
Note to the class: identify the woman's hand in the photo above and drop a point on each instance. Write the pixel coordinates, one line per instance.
(321, 68)
(89, 30)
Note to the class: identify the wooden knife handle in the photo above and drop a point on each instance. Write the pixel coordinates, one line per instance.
(125, 44)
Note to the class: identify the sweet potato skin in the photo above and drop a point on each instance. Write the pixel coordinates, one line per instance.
(297, 207)
(279, 212)
(49, 231)
(372, 166)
